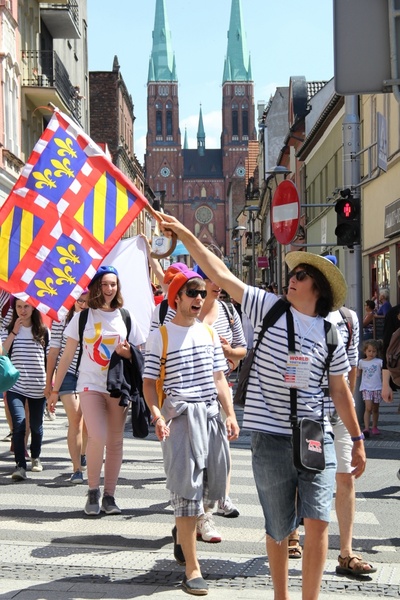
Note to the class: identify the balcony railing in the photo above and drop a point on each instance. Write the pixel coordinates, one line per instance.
(61, 18)
(44, 69)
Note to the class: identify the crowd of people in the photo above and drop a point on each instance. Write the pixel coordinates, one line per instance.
(204, 323)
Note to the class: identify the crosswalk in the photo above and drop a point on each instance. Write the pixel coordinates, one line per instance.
(47, 508)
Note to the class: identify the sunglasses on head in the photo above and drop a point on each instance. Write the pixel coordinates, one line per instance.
(195, 293)
(299, 275)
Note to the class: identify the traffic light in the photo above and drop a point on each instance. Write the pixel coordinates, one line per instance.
(348, 224)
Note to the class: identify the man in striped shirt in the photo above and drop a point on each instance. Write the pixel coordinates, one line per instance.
(316, 287)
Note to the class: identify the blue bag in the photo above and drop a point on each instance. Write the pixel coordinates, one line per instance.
(8, 374)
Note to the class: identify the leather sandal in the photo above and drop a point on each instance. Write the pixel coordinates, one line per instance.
(294, 548)
(354, 565)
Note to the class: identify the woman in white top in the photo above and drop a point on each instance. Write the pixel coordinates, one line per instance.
(77, 432)
(105, 332)
(26, 339)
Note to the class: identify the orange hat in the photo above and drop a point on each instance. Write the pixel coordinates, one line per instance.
(177, 282)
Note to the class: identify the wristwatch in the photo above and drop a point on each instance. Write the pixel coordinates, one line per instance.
(358, 438)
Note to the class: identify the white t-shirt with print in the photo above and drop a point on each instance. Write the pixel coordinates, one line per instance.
(103, 331)
(371, 378)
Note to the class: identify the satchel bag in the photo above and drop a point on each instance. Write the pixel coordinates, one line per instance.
(8, 373)
(308, 446)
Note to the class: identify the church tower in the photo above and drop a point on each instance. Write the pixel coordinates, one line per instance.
(163, 159)
(238, 111)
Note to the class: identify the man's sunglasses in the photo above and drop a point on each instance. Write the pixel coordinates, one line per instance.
(299, 275)
(195, 293)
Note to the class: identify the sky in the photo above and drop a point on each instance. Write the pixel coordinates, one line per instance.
(285, 38)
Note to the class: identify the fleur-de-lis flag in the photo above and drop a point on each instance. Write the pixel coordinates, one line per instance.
(67, 210)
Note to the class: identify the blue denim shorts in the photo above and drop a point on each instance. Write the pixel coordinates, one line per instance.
(286, 494)
(68, 385)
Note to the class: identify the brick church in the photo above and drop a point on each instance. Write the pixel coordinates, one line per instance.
(204, 188)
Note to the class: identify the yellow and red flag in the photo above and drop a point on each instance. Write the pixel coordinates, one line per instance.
(67, 210)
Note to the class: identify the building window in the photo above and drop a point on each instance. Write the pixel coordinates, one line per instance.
(235, 123)
(245, 123)
(159, 122)
(380, 273)
(169, 122)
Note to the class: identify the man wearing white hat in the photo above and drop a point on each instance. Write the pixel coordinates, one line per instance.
(316, 287)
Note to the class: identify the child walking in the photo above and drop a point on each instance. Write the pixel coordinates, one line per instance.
(370, 369)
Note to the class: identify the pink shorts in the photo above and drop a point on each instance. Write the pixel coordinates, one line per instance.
(374, 395)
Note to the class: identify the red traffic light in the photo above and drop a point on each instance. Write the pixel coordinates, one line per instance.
(347, 208)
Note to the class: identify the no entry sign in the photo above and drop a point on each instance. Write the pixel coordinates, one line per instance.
(285, 212)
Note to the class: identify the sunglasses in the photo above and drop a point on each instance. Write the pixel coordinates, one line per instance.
(195, 293)
(299, 275)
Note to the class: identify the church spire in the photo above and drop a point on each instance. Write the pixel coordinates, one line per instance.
(162, 61)
(185, 143)
(237, 63)
(201, 135)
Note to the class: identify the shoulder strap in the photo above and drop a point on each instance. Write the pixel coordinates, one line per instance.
(348, 321)
(274, 313)
(163, 360)
(83, 317)
(210, 330)
(126, 316)
(331, 338)
(163, 310)
(228, 308)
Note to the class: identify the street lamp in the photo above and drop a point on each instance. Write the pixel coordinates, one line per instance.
(240, 229)
(252, 217)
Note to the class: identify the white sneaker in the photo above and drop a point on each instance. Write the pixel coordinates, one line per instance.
(206, 529)
(49, 416)
(19, 474)
(36, 465)
(226, 508)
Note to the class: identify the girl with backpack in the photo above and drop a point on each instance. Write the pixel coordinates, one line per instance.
(105, 331)
(26, 340)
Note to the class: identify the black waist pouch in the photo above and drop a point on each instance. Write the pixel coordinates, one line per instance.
(308, 446)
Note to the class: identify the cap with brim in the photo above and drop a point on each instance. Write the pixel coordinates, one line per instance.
(177, 282)
(173, 269)
(103, 270)
(332, 274)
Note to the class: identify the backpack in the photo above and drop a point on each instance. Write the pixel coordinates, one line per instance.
(83, 317)
(348, 321)
(228, 308)
(163, 310)
(393, 357)
(275, 312)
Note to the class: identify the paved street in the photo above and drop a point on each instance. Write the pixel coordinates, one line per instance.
(51, 550)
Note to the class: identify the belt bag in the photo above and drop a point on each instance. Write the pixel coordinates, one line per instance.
(308, 446)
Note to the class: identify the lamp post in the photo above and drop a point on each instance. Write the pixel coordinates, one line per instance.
(240, 229)
(252, 210)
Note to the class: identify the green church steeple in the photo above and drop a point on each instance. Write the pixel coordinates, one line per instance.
(237, 63)
(162, 65)
(201, 135)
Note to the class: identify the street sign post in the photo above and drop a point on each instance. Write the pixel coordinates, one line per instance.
(285, 212)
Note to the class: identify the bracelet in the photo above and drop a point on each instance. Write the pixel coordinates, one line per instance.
(55, 391)
(155, 421)
(13, 332)
(358, 438)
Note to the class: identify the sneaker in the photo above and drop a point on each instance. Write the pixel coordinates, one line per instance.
(366, 433)
(109, 507)
(36, 465)
(92, 506)
(83, 462)
(226, 508)
(8, 437)
(76, 477)
(206, 530)
(375, 431)
(19, 474)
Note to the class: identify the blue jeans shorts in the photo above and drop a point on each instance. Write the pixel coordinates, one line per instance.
(68, 385)
(287, 495)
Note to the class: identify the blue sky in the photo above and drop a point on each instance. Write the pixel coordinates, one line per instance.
(285, 38)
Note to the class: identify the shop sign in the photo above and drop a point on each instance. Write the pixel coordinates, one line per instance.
(392, 218)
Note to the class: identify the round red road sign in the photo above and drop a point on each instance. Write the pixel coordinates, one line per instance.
(285, 212)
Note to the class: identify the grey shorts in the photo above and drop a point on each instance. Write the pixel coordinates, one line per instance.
(286, 494)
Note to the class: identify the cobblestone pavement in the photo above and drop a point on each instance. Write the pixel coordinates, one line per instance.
(51, 550)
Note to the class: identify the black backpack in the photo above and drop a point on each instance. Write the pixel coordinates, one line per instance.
(163, 310)
(228, 308)
(348, 321)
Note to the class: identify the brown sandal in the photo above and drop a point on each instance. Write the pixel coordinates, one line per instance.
(294, 548)
(359, 566)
